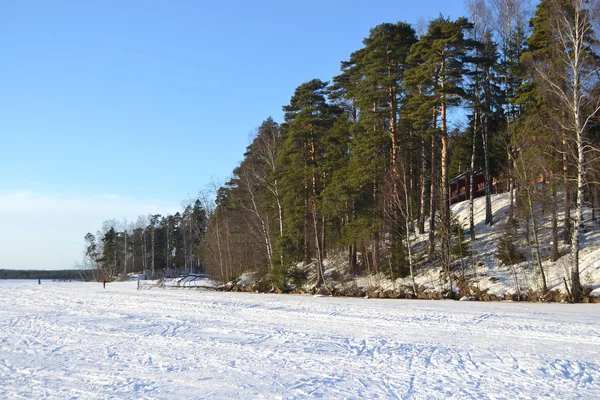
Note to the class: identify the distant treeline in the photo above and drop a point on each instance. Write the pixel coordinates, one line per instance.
(33, 274)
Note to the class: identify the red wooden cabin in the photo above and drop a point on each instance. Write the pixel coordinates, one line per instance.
(459, 186)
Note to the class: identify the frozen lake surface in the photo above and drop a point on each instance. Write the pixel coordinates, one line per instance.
(76, 340)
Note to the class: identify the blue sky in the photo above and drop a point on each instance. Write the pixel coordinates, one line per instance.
(109, 107)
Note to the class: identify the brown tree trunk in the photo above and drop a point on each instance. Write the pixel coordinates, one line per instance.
(554, 220)
(307, 228)
(536, 243)
(471, 186)
(352, 264)
(432, 196)
(489, 218)
(315, 219)
(376, 244)
(323, 243)
(423, 182)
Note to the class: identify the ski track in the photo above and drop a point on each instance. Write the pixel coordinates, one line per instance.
(78, 341)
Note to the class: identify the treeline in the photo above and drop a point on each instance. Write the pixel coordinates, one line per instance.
(361, 165)
(67, 274)
(153, 244)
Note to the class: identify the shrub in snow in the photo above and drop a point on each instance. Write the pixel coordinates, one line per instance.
(460, 248)
(508, 252)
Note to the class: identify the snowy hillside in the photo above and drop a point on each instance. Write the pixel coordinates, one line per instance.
(504, 281)
(76, 340)
(486, 277)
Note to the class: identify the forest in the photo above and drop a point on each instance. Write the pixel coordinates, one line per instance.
(61, 275)
(507, 98)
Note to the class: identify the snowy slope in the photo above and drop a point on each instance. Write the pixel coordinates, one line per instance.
(489, 275)
(504, 282)
(76, 340)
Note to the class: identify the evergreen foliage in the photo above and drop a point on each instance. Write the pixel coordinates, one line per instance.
(359, 165)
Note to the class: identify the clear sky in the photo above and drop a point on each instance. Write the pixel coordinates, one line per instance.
(110, 109)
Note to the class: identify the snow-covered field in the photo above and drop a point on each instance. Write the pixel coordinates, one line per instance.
(76, 340)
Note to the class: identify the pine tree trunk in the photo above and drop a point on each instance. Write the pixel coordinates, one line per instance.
(554, 220)
(125, 251)
(595, 204)
(536, 247)
(407, 219)
(307, 229)
(323, 237)
(229, 266)
(471, 186)
(352, 269)
(423, 182)
(168, 247)
(219, 254)
(489, 218)
(315, 218)
(143, 251)
(153, 234)
(432, 197)
(393, 124)
(511, 181)
(319, 250)
(376, 244)
(190, 248)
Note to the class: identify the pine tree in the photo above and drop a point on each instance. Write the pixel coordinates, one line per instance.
(371, 83)
(438, 60)
(308, 120)
(109, 253)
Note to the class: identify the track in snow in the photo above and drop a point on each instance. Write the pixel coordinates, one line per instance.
(76, 340)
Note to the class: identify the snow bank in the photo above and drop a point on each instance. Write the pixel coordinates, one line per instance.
(190, 281)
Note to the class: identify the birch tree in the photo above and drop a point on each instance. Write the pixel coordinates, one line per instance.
(571, 78)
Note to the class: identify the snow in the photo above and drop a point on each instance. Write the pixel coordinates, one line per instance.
(190, 281)
(77, 340)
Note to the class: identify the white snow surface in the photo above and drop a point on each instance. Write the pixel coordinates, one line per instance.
(189, 281)
(77, 340)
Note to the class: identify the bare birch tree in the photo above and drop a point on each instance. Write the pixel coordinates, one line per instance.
(572, 23)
